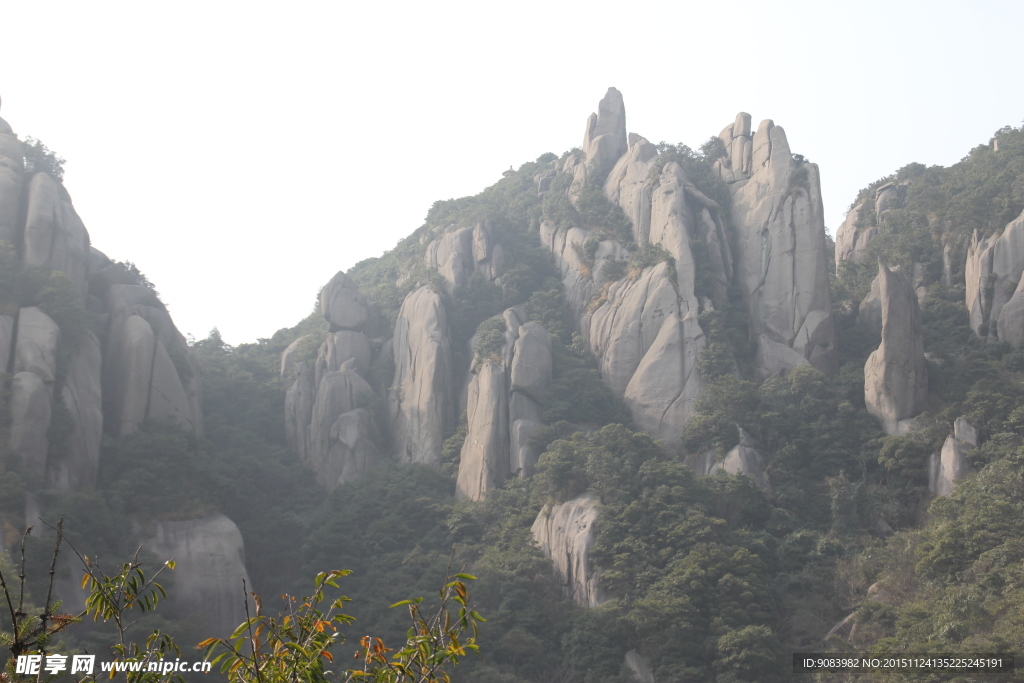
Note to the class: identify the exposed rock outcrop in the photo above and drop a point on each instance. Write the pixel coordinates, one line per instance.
(604, 140)
(565, 534)
(54, 235)
(82, 395)
(12, 166)
(992, 272)
(460, 252)
(896, 374)
(744, 458)
(210, 567)
(951, 464)
(343, 304)
(36, 346)
(421, 400)
(503, 408)
(778, 226)
(851, 241)
(328, 418)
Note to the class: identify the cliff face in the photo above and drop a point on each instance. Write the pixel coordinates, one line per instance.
(132, 364)
(97, 358)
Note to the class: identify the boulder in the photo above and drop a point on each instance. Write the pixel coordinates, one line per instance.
(36, 345)
(30, 422)
(896, 374)
(781, 264)
(83, 398)
(209, 571)
(484, 462)
(343, 304)
(565, 533)
(951, 464)
(885, 197)
(605, 140)
(353, 448)
(421, 399)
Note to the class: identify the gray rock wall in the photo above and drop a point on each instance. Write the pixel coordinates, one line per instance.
(951, 463)
(992, 272)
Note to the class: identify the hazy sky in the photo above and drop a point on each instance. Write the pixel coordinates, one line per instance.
(242, 153)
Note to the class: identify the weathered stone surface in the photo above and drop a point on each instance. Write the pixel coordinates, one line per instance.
(210, 567)
(780, 251)
(36, 345)
(149, 369)
(623, 328)
(30, 420)
(339, 392)
(532, 361)
(869, 314)
(670, 229)
(951, 465)
(896, 374)
(83, 397)
(577, 280)
(565, 534)
(484, 462)
(662, 392)
(54, 234)
(420, 399)
(460, 252)
(885, 197)
(11, 165)
(288, 358)
(994, 267)
(604, 140)
(343, 304)
(348, 345)
(353, 448)
(774, 358)
(629, 185)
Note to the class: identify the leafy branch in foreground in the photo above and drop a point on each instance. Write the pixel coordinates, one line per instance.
(296, 647)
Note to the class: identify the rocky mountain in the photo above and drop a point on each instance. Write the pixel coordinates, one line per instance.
(675, 429)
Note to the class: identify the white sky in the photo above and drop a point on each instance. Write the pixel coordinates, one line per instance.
(241, 153)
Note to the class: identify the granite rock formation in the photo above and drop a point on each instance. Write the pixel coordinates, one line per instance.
(951, 464)
(505, 395)
(896, 374)
(992, 272)
(565, 533)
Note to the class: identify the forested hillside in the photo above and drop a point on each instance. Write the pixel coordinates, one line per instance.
(676, 431)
